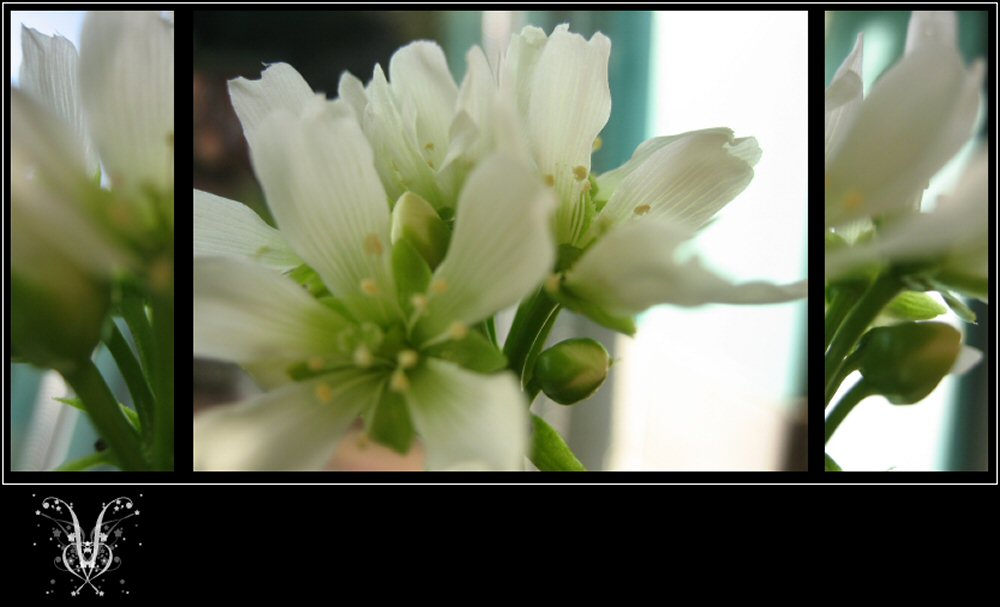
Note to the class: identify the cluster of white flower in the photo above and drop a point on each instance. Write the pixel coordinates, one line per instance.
(412, 210)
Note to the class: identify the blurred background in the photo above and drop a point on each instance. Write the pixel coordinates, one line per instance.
(949, 429)
(710, 388)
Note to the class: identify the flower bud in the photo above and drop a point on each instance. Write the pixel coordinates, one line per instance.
(572, 370)
(906, 362)
(416, 221)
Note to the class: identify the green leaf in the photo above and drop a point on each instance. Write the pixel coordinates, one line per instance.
(831, 466)
(410, 270)
(475, 352)
(130, 414)
(911, 305)
(549, 452)
(391, 424)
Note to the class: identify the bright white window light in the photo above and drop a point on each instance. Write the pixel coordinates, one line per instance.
(710, 387)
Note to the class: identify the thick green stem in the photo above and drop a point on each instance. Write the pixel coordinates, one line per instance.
(529, 331)
(86, 462)
(878, 295)
(855, 395)
(134, 312)
(138, 386)
(103, 410)
(842, 303)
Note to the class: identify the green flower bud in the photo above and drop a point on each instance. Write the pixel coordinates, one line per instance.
(906, 362)
(416, 221)
(572, 370)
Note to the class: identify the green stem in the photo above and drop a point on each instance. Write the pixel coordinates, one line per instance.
(531, 326)
(855, 395)
(878, 295)
(86, 462)
(138, 387)
(163, 379)
(549, 452)
(842, 302)
(103, 410)
(134, 312)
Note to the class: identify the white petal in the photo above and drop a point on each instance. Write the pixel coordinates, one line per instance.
(127, 84)
(686, 181)
(501, 247)
(319, 177)
(968, 357)
(353, 92)
(843, 97)
(244, 312)
(517, 67)
(419, 76)
(917, 116)
(296, 427)
(227, 228)
(45, 145)
(280, 88)
(570, 104)
(638, 265)
(465, 417)
(49, 75)
(933, 28)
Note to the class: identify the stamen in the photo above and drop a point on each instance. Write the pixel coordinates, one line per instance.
(552, 283)
(369, 286)
(549, 180)
(586, 186)
(439, 286)
(324, 392)
(398, 382)
(853, 200)
(430, 163)
(363, 357)
(373, 244)
(641, 210)
(407, 359)
(580, 173)
(316, 363)
(419, 303)
(598, 144)
(458, 330)
(429, 146)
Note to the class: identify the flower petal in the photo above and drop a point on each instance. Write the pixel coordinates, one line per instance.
(419, 76)
(280, 88)
(500, 250)
(917, 116)
(49, 75)
(843, 97)
(319, 176)
(638, 265)
(127, 87)
(562, 133)
(687, 180)
(465, 418)
(296, 427)
(244, 312)
(227, 228)
(931, 27)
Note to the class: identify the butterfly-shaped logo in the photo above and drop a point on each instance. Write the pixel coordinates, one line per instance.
(87, 552)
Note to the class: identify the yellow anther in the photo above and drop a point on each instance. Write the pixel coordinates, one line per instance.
(430, 163)
(316, 363)
(580, 173)
(439, 286)
(549, 180)
(429, 146)
(853, 200)
(552, 283)
(399, 382)
(407, 359)
(373, 244)
(363, 357)
(369, 286)
(324, 392)
(586, 186)
(598, 143)
(419, 303)
(458, 330)
(641, 210)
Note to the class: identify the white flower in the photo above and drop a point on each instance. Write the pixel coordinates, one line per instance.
(882, 151)
(382, 343)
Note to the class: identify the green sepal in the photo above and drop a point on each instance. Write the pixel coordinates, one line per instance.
(308, 278)
(905, 362)
(390, 424)
(621, 324)
(415, 221)
(911, 305)
(410, 270)
(549, 452)
(958, 307)
(572, 370)
(977, 287)
(832, 466)
(568, 255)
(475, 352)
(130, 414)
